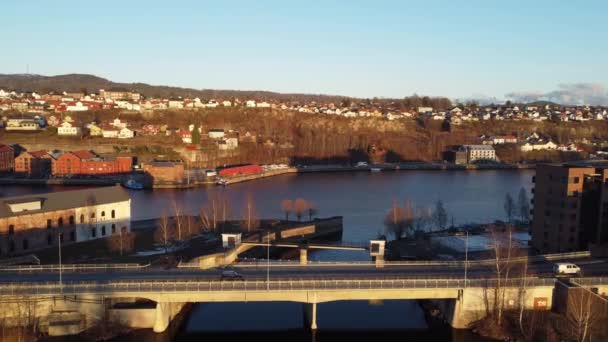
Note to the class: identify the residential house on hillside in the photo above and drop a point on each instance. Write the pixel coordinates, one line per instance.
(109, 131)
(95, 130)
(126, 133)
(216, 133)
(538, 145)
(53, 121)
(24, 125)
(68, 129)
(250, 104)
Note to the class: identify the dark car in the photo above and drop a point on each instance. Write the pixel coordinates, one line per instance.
(231, 275)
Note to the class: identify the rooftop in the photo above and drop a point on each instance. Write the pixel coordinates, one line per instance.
(62, 200)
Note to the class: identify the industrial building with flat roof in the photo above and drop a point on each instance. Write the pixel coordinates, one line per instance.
(37, 221)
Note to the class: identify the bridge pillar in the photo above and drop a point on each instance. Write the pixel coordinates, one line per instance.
(162, 319)
(303, 256)
(165, 312)
(310, 315)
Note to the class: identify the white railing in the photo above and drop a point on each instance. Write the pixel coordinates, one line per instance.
(287, 284)
(74, 267)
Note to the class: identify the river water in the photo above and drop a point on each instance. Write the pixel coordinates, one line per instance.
(363, 200)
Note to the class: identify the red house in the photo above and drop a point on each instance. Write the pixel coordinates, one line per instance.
(7, 158)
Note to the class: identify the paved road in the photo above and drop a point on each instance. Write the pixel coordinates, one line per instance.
(589, 268)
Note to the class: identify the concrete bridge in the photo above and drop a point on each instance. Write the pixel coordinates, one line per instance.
(462, 301)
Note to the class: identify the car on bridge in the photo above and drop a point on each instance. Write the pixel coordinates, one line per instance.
(231, 275)
(564, 268)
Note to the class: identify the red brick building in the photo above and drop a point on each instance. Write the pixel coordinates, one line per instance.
(86, 163)
(35, 164)
(7, 158)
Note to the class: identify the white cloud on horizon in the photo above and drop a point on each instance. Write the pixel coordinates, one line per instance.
(569, 94)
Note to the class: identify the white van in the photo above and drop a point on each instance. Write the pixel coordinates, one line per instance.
(566, 268)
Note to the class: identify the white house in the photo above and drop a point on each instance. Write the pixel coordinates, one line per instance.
(77, 107)
(228, 144)
(250, 103)
(109, 132)
(226, 103)
(126, 133)
(216, 134)
(67, 129)
(118, 124)
(263, 105)
(549, 145)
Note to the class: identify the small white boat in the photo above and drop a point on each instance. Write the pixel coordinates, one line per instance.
(375, 169)
(133, 184)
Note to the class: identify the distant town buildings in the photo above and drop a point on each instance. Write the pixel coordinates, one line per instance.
(570, 207)
(468, 154)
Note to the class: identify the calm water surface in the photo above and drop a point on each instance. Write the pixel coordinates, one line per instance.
(363, 200)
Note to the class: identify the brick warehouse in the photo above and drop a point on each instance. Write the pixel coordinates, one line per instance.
(34, 164)
(34, 222)
(86, 163)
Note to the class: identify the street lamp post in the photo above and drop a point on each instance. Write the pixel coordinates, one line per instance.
(267, 262)
(60, 266)
(466, 257)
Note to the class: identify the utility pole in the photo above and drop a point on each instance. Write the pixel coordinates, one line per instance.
(466, 257)
(268, 262)
(60, 267)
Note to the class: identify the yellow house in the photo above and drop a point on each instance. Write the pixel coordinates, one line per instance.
(94, 130)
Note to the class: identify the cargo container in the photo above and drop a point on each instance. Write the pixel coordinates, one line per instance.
(241, 170)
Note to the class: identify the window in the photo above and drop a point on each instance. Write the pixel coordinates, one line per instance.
(71, 219)
(49, 223)
(81, 218)
(60, 222)
(93, 232)
(11, 229)
(103, 230)
(113, 213)
(11, 246)
(546, 235)
(72, 236)
(103, 214)
(113, 228)
(92, 215)
(49, 239)
(25, 244)
(123, 229)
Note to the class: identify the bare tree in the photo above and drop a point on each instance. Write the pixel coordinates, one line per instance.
(509, 207)
(422, 218)
(250, 215)
(164, 232)
(287, 208)
(440, 215)
(584, 313)
(399, 220)
(523, 205)
(177, 211)
(300, 206)
(312, 210)
(122, 242)
(504, 250)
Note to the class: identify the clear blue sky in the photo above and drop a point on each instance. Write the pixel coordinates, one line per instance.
(357, 48)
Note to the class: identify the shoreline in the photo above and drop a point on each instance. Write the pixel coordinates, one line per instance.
(374, 168)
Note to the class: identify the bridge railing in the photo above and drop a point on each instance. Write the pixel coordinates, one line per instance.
(590, 281)
(287, 284)
(74, 267)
